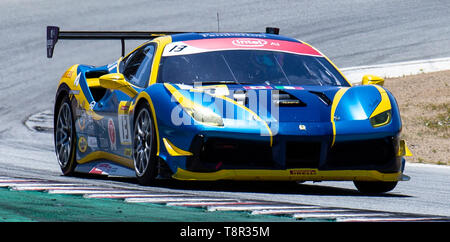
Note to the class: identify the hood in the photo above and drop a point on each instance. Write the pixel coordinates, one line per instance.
(270, 103)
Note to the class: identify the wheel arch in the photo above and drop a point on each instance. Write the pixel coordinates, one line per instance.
(142, 99)
(63, 90)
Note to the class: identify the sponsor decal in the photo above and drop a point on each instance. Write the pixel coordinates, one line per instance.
(202, 45)
(91, 105)
(303, 172)
(77, 80)
(124, 130)
(112, 134)
(124, 123)
(127, 152)
(221, 35)
(92, 142)
(103, 169)
(103, 142)
(81, 122)
(249, 42)
(289, 87)
(112, 66)
(257, 87)
(68, 74)
(275, 44)
(74, 92)
(82, 144)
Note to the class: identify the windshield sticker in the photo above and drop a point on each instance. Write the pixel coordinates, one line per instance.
(257, 87)
(289, 87)
(249, 42)
(206, 45)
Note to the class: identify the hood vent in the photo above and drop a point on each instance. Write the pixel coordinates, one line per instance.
(322, 97)
(284, 99)
(279, 98)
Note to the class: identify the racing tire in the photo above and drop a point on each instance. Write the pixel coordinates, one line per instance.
(374, 187)
(65, 137)
(144, 146)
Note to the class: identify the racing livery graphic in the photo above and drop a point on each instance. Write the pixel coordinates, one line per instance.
(225, 106)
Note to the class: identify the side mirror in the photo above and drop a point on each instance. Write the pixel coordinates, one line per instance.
(371, 79)
(116, 81)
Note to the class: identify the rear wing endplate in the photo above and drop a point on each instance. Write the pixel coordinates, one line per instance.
(54, 34)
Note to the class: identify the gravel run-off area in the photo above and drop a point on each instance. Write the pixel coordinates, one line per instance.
(424, 101)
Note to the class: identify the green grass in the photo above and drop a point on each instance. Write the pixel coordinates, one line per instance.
(33, 206)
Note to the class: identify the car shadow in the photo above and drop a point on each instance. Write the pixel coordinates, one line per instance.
(272, 187)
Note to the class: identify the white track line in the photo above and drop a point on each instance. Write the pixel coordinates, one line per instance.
(43, 187)
(7, 180)
(87, 190)
(337, 215)
(386, 219)
(132, 195)
(205, 204)
(294, 211)
(11, 184)
(257, 207)
(15, 182)
(175, 199)
(50, 184)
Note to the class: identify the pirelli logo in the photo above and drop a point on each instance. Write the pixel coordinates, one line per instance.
(303, 172)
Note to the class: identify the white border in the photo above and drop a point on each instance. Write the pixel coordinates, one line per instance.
(399, 69)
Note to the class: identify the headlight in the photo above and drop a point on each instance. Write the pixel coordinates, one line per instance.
(381, 119)
(205, 115)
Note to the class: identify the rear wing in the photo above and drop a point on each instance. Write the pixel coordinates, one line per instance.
(54, 34)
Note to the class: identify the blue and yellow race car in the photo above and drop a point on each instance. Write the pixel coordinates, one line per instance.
(225, 106)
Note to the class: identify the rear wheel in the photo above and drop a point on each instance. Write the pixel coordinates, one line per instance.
(374, 187)
(65, 137)
(144, 141)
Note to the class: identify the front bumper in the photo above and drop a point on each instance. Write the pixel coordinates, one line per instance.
(293, 158)
(290, 175)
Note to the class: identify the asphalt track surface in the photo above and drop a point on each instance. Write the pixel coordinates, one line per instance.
(351, 33)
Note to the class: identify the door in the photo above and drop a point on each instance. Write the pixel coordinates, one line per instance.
(136, 68)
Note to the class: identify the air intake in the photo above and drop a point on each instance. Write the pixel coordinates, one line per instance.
(284, 99)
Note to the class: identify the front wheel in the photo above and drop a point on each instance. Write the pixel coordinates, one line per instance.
(144, 142)
(374, 187)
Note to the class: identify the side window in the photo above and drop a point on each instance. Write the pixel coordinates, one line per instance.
(138, 65)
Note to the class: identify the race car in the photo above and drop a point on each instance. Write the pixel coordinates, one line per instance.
(212, 106)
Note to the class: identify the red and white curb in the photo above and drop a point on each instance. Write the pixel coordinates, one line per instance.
(304, 212)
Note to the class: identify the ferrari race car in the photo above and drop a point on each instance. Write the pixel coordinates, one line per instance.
(225, 106)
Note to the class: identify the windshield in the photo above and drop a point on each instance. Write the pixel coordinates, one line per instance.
(259, 67)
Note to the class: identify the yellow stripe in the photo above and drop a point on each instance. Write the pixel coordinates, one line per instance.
(336, 99)
(173, 150)
(96, 155)
(162, 42)
(385, 103)
(185, 102)
(304, 174)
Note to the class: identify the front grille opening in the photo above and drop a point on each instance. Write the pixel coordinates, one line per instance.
(302, 154)
(219, 153)
(376, 152)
